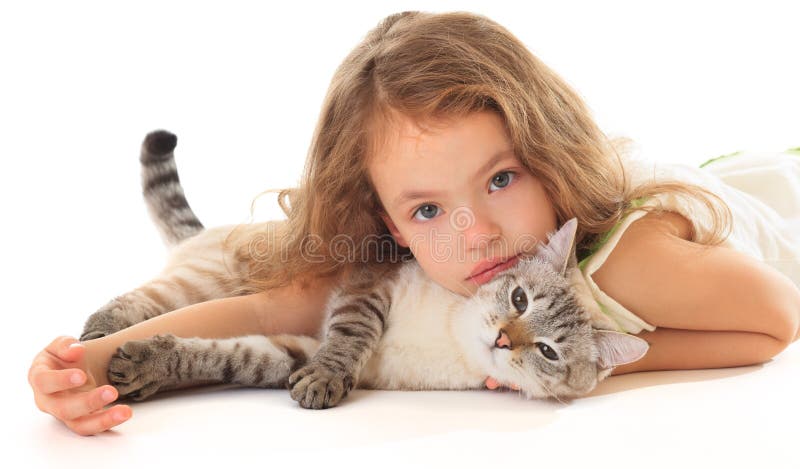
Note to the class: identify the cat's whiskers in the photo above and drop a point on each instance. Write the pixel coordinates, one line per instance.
(551, 392)
(539, 381)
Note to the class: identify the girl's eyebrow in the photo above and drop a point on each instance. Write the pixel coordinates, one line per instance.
(413, 195)
(409, 195)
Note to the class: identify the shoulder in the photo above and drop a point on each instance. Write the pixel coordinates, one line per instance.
(641, 267)
(646, 244)
(659, 275)
(665, 223)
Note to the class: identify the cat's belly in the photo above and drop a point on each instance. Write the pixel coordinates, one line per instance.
(418, 349)
(419, 366)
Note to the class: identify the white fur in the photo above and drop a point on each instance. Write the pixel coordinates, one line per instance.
(430, 339)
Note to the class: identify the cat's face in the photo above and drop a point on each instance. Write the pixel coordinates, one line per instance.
(537, 335)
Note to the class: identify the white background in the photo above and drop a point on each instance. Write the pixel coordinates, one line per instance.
(241, 84)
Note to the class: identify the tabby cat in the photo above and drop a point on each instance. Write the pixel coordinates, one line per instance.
(525, 326)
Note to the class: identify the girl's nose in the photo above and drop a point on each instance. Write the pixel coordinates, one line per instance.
(479, 229)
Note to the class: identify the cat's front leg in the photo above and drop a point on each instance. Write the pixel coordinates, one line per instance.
(112, 317)
(133, 307)
(321, 384)
(354, 328)
(140, 368)
(158, 296)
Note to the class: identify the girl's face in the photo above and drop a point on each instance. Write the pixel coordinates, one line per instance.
(460, 199)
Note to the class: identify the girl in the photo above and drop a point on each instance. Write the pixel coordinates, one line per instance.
(445, 134)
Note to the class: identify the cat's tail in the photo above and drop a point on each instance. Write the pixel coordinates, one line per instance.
(162, 189)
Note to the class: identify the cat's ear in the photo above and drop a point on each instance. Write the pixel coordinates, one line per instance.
(618, 348)
(393, 230)
(559, 251)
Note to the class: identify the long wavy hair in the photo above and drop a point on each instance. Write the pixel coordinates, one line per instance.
(427, 67)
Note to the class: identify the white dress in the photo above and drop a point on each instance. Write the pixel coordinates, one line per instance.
(762, 190)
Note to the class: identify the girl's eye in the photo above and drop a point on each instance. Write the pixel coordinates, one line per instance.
(502, 179)
(548, 352)
(427, 211)
(519, 299)
(499, 181)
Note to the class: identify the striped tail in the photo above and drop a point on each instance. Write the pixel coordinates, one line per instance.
(162, 189)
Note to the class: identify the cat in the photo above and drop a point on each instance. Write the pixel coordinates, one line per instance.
(404, 331)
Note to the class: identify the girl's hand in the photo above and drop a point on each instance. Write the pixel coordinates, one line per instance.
(64, 388)
(492, 383)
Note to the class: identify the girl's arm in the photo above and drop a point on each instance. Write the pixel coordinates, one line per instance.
(289, 310)
(69, 382)
(713, 307)
(678, 349)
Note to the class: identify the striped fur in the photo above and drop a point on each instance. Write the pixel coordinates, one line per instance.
(140, 368)
(162, 189)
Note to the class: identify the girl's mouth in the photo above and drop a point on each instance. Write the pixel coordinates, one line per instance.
(487, 275)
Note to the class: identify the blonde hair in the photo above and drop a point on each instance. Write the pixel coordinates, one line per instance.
(429, 66)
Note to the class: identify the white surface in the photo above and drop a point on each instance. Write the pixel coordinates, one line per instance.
(735, 417)
(241, 85)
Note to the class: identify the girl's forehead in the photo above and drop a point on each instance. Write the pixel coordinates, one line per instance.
(402, 132)
(403, 140)
(427, 160)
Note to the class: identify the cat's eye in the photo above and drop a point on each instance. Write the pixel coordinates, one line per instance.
(519, 299)
(548, 352)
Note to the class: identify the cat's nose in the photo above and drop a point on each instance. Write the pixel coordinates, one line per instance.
(502, 340)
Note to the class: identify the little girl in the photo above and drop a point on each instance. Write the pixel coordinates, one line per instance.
(444, 133)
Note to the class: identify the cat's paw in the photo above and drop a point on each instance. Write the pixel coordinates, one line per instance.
(105, 321)
(316, 386)
(140, 368)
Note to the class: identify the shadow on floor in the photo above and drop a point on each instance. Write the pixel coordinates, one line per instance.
(620, 383)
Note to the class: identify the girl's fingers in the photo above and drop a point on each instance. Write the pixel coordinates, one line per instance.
(71, 350)
(50, 381)
(100, 421)
(82, 404)
(63, 348)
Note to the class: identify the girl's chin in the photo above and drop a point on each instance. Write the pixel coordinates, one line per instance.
(468, 289)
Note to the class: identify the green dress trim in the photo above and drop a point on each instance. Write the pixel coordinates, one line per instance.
(596, 246)
(795, 151)
(636, 203)
(604, 309)
(719, 158)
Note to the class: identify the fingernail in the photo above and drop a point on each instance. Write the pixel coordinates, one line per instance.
(118, 416)
(76, 378)
(75, 345)
(108, 395)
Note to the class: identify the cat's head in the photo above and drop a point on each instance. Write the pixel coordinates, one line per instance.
(538, 335)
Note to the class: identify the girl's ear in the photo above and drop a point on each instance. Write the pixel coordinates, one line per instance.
(393, 230)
